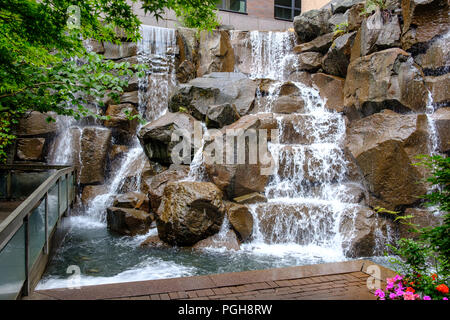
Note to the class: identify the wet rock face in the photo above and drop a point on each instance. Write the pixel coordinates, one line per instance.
(92, 191)
(337, 58)
(377, 32)
(234, 177)
(387, 79)
(219, 116)
(123, 128)
(128, 221)
(30, 149)
(156, 136)
(422, 21)
(311, 24)
(35, 123)
(384, 146)
(241, 220)
(441, 120)
(368, 232)
(320, 44)
(218, 88)
(189, 212)
(331, 88)
(132, 200)
(215, 52)
(157, 183)
(94, 149)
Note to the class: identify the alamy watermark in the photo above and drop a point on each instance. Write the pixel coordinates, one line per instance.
(226, 146)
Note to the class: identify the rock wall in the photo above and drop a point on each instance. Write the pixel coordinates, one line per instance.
(379, 73)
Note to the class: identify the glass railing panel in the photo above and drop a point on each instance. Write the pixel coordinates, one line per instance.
(36, 229)
(53, 213)
(63, 194)
(12, 266)
(25, 183)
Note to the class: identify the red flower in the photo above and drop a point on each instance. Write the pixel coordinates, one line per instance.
(409, 289)
(434, 276)
(442, 288)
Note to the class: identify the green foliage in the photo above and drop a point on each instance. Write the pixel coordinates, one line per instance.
(200, 17)
(371, 5)
(44, 65)
(418, 259)
(340, 29)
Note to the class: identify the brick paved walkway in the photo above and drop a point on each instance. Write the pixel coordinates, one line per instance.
(337, 281)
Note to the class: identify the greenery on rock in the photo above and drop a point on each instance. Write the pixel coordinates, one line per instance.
(44, 65)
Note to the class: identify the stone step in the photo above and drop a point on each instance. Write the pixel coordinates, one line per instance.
(310, 164)
(302, 221)
(310, 128)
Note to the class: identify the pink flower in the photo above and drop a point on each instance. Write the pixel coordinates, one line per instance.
(390, 286)
(409, 296)
(392, 296)
(380, 293)
(397, 278)
(390, 280)
(444, 298)
(426, 298)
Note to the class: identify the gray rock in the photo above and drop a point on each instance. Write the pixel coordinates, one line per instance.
(218, 88)
(221, 115)
(124, 50)
(311, 24)
(337, 59)
(156, 136)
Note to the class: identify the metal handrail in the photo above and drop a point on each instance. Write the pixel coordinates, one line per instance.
(19, 217)
(15, 220)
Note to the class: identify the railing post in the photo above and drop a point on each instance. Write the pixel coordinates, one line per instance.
(59, 196)
(46, 224)
(26, 286)
(67, 195)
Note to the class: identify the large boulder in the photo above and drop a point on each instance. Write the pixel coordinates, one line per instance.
(308, 61)
(156, 137)
(94, 149)
(221, 115)
(30, 149)
(229, 241)
(377, 32)
(387, 79)
(240, 219)
(123, 129)
(35, 123)
(311, 24)
(190, 211)
(331, 89)
(320, 44)
(187, 56)
(423, 20)
(132, 200)
(215, 52)
(127, 221)
(337, 58)
(158, 182)
(385, 146)
(219, 88)
(226, 170)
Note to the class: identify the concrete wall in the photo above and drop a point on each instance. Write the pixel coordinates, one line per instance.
(313, 4)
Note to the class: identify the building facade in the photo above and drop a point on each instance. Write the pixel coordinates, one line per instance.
(247, 14)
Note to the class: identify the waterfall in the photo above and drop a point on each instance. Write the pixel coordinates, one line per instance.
(432, 131)
(308, 193)
(157, 50)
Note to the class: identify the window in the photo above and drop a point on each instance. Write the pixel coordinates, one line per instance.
(287, 9)
(233, 5)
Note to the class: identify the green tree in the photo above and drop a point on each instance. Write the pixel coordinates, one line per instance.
(44, 65)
